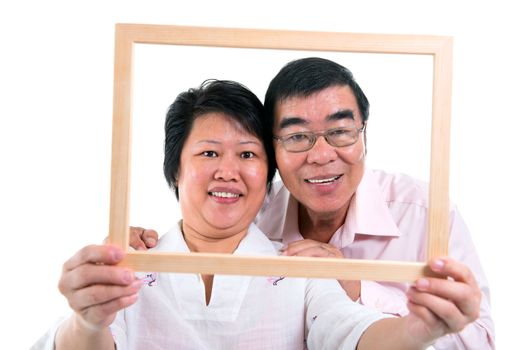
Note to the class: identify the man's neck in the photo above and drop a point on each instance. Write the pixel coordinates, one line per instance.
(320, 226)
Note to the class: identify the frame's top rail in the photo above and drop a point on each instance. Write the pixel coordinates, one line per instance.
(283, 39)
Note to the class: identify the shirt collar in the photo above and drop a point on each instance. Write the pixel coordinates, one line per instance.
(368, 214)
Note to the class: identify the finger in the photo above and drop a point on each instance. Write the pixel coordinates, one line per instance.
(465, 297)
(450, 268)
(463, 289)
(90, 274)
(95, 254)
(296, 246)
(308, 247)
(150, 237)
(432, 325)
(428, 317)
(104, 314)
(317, 251)
(135, 238)
(445, 310)
(101, 294)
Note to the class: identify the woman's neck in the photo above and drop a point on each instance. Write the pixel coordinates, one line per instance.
(200, 242)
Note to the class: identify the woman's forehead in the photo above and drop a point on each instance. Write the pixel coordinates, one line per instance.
(221, 126)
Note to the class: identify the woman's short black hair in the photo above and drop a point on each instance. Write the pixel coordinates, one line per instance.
(232, 99)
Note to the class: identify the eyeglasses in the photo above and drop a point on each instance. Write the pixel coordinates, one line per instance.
(304, 141)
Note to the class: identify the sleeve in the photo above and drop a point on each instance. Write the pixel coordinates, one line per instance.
(333, 321)
(384, 297)
(481, 333)
(47, 341)
(118, 331)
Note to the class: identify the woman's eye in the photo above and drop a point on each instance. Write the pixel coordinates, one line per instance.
(209, 154)
(247, 155)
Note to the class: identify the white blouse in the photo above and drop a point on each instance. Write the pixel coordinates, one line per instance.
(244, 312)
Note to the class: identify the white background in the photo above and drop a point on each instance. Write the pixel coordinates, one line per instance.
(56, 79)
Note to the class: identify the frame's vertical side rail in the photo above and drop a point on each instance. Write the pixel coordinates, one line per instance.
(121, 153)
(438, 221)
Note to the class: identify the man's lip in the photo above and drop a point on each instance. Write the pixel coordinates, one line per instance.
(323, 179)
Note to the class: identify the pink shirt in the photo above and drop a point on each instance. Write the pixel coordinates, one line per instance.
(387, 220)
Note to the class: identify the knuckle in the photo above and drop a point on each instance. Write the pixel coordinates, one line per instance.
(470, 277)
(62, 286)
(95, 295)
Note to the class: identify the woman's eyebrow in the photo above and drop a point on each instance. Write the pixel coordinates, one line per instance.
(208, 141)
(216, 142)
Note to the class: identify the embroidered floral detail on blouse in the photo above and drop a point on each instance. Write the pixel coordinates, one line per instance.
(274, 280)
(150, 279)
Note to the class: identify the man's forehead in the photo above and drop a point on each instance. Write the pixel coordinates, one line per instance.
(330, 99)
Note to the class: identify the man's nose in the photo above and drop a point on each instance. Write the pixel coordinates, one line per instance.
(321, 152)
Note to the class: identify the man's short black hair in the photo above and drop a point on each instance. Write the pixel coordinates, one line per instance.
(306, 76)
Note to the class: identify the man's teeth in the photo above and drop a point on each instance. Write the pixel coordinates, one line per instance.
(321, 181)
(225, 194)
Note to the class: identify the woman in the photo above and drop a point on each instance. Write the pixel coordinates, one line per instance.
(219, 161)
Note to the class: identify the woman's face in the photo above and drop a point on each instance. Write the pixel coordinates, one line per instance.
(222, 177)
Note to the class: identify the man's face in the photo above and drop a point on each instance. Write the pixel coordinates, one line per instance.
(324, 178)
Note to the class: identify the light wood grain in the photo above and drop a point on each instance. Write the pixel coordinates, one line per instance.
(439, 47)
(207, 263)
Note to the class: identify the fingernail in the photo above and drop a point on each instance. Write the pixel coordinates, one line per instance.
(136, 284)
(150, 241)
(422, 284)
(118, 254)
(438, 264)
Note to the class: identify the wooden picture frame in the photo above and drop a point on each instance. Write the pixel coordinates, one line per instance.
(439, 47)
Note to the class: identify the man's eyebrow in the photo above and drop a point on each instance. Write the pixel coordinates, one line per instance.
(343, 114)
(289, 121)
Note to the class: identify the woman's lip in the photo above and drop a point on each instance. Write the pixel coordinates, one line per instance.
(225, 192)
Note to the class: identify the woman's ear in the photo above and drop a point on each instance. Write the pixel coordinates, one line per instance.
(365, 132)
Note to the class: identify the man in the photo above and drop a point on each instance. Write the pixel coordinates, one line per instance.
(332, 206)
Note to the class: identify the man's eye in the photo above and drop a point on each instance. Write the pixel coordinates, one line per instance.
(209, 154)
(297, 138)
(247, 155)
(339, 132)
